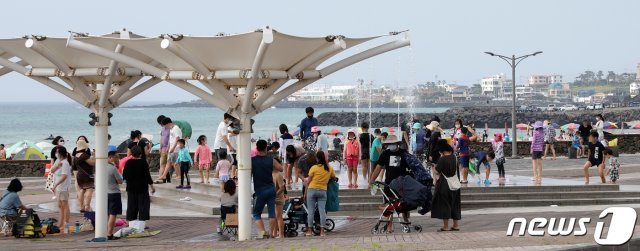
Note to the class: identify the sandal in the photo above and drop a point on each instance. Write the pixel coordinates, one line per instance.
(443, 230)
(454, 229)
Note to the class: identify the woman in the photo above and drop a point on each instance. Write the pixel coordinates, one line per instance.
(136, 174)
(136, 140)
(57, 142)
(10, 202)
(446, 203)
(75, 150)
(84, 178)
(549, 140)
(599, 127)
(317, 181)
(62, 184)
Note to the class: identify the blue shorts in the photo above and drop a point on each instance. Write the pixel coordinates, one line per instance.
(464, 161)
(265, 197)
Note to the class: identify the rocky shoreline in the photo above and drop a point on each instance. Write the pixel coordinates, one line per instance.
(495, 117)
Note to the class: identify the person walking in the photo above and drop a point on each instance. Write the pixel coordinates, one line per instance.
(285, 140)
(139, 182)
(262, 172)
(62, 174)
(537, 144)
(202, 157)
(351, 157)
(584, 129)
(549, 139)
(165, 133)
(175, 134)
(317, 181)
(446, 202)
(185, 161)
(85, 177)
(114, 198)
(307, 123)
(596, 157)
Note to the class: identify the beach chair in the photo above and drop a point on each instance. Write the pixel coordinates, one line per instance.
(6, 224)
(230, 225)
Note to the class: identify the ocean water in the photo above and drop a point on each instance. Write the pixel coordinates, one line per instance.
(36, 121)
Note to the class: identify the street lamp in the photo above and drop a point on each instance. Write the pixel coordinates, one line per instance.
(513, 61)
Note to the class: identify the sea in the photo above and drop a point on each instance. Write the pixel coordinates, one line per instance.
(36, 121)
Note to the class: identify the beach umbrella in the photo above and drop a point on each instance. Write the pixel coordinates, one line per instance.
(570, 126)
(610, 125)
(637, 126)
(334, 132)
(45, 146)
(522, 126)
(29, 153)
(17, 147)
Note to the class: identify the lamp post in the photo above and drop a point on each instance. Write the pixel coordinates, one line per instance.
(513, 61)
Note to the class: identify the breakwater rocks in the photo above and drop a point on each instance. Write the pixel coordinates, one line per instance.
(495, 117)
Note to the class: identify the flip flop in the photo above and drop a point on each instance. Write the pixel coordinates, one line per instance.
(443, 230)
(454, 229)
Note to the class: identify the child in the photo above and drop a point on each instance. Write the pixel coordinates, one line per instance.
(228, 202)
(575, 144)
(281, 196)
(351, 157)
(114, 199)
(498, 148)
(185, 161)
(537, 145)
(614, 165)
(203, 158)
(223, 169)
(233, 138)
(483, 158)
(595, 158)
(462, 146)
(3, 153)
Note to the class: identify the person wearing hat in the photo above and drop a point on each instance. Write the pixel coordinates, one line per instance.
(549, 139)
(436, 134)
(392, 163)
(307, 123)
(85, 166)
(352, 157)
(537, 145)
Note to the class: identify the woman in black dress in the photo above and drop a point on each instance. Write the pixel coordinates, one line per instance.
(84, 178)
(446, 203)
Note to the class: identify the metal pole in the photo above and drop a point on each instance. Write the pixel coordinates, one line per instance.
(101, 130)
(244, 179)
(514, 136)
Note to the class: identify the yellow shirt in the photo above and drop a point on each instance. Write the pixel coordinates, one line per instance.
(319, 177)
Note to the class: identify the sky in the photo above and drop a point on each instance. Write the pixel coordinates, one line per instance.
(448, 37)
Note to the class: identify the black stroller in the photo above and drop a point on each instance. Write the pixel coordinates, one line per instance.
(393, 205)
(295, 213)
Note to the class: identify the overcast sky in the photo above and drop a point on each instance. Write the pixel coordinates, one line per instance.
(448, 37)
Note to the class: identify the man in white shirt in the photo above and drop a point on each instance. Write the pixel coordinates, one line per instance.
(222, 142)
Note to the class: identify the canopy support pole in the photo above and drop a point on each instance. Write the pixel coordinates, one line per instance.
(49, 55)
(137, 90)
(220, 103)
(101, 130)
(267, 39)
(106, 92)
(187, 56)
(244, 179)
(6, 70)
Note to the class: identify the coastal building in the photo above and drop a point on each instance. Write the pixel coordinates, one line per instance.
(494, 85)
(460, 95)
(540, 83)
(638, 72)
(558, 90)
(634, 89)
(324, 93)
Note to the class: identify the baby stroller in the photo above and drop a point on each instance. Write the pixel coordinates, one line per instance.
(393, 204)
(295, 213)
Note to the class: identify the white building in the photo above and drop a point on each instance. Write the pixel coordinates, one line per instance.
(324, 93)
(546, 80)
(494, 85)
(634, 89)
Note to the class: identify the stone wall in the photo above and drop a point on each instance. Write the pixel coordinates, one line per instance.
(22, 168)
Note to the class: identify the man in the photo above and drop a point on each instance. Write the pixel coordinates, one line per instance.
(114, 199)
(365, 146)
(164, 150)
(262, 167)
(222, 143)
(585, 130)
(393, 164)
(307, 123)
(175, 134)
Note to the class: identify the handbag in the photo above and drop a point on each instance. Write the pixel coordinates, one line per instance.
(453, 181)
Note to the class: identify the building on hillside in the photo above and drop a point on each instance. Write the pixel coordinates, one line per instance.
(494, 86)
(558, 90)
(540, 83)
(460, 95)
(634, 89)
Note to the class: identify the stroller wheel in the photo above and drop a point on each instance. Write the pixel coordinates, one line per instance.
(329, 225)
(406, 228)
(418, 228)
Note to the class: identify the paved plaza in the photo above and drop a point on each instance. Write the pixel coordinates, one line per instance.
(481, 229)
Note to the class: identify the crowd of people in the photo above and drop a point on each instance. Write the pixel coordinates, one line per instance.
(280, 165)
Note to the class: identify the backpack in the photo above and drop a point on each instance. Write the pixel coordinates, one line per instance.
(51, 225)
(28, 225)
(417, 169)
(185, 127)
